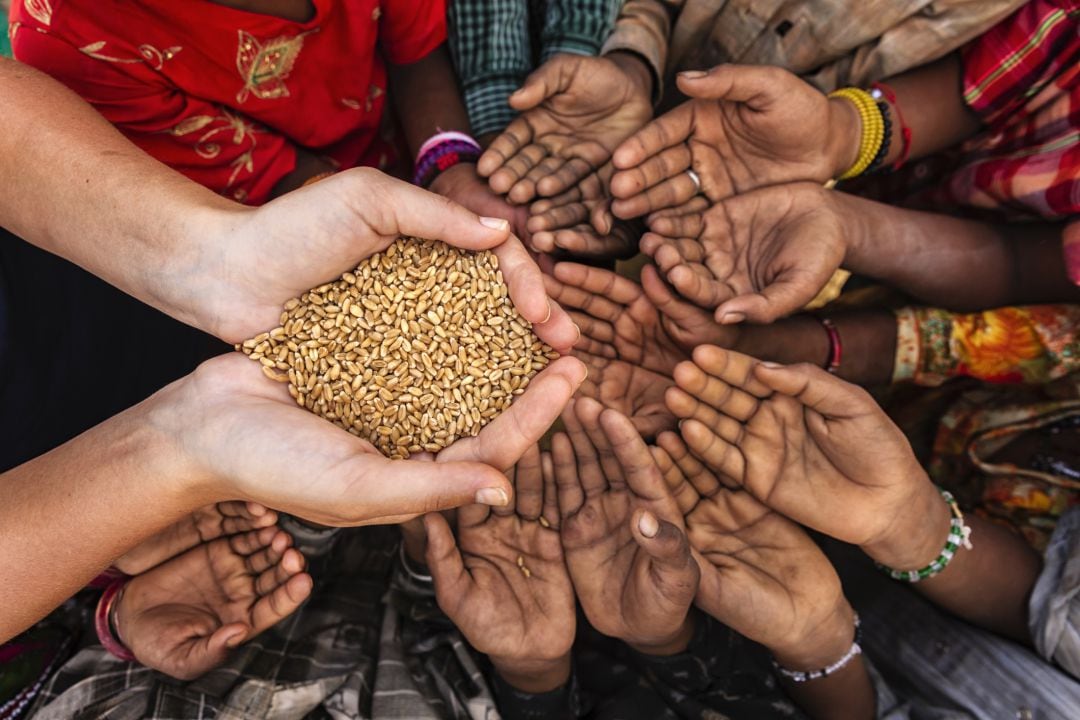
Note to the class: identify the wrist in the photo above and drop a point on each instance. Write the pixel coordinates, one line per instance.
(534, 676)
(845, 133)
(917, 530)
(449, 181)
(635, 68)
(823, 644)
(672, 645)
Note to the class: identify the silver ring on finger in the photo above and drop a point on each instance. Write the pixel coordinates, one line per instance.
(696, 179)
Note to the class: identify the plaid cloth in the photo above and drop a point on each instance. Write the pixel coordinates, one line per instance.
(497, 43)
(1022, 78)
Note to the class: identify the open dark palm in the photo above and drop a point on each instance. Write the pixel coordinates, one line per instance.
(184, 616)
(630, 586)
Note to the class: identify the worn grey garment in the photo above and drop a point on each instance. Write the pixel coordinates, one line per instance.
(937, 667)
(1055, 602)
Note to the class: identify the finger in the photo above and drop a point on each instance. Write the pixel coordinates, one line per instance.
(444, 560)
(414, 212)
(472, 515)
(756, 85)
(686, 497)
(569, 494)
(524, 189)
(588, 411)
(787, 293)
(650, 425)
(554, 217)
(525, 283)
(588, 471)
(817, 389)
(583, 241)
(685, 406)
(705, 388)
(664, 165)
(593, 300)
(668, 193)
(695, 283)
(595, 340)
(686, 225)
(234, 524)
(633, 457)
(704, 481)
(600, 282)
(517, 135)
(668, 130)
(529, 484)
(602, 219)
(696, 205)
(550, 511)
(683, 314)
(503, 441)
(551, 78)
(202, 654)
(517, 167)
(571, 172)
(572, 196)
(290, 563)
(253, 541)
(673, 567)
(732, 367)
(720, 456)
(280, 604)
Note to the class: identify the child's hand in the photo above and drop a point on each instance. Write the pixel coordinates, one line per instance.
(203, 525)
(757, 256)
(184, 616)
(579, 223)
(622, 532)
(504, 582)
(807, 444)
(628, 389)
(461, 184)
(621, 319)
(761, 574)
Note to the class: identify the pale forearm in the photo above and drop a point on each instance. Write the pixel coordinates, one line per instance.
(69, 513)
(77, 188)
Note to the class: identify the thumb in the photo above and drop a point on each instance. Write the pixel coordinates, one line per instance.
(444, 561)
(757, 86)
(788, 292)
(664, 542)
(405, 209)
(816, 388)
(549, 79)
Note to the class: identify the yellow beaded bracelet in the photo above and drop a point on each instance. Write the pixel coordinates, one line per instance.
(873, 128)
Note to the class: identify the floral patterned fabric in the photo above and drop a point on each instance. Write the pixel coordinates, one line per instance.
(1033, 344)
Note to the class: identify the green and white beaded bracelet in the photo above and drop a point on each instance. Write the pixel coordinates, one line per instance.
(959, 536)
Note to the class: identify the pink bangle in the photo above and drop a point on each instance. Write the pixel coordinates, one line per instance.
(109, 638)
(836, 348)
(444, 136)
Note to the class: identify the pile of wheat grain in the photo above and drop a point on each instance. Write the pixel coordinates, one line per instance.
(417, 347)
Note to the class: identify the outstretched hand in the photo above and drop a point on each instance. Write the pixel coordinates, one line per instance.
(801, 441)
(761, 574)
(183, 617)
(574, 111)
(504, 582)
(758, 256)
(745, 127)
(622, 532)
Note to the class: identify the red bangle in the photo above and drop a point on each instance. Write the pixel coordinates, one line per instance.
(836, 348)
(109, 639)
(905, 131)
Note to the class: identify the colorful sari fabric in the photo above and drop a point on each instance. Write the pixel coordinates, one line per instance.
(1013, 456)
(1022, 79)
(1034, 344)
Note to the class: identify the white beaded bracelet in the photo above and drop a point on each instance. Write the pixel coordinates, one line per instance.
(800, 676)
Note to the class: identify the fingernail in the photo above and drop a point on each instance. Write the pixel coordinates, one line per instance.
(234, 640)
(494, 223)
(548, 316)
(693, 74)
(648, 525)
(732, 317)
(492, 496)
(578, 328)
(771, 365)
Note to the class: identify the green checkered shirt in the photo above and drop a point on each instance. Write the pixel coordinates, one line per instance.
(497, 43)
